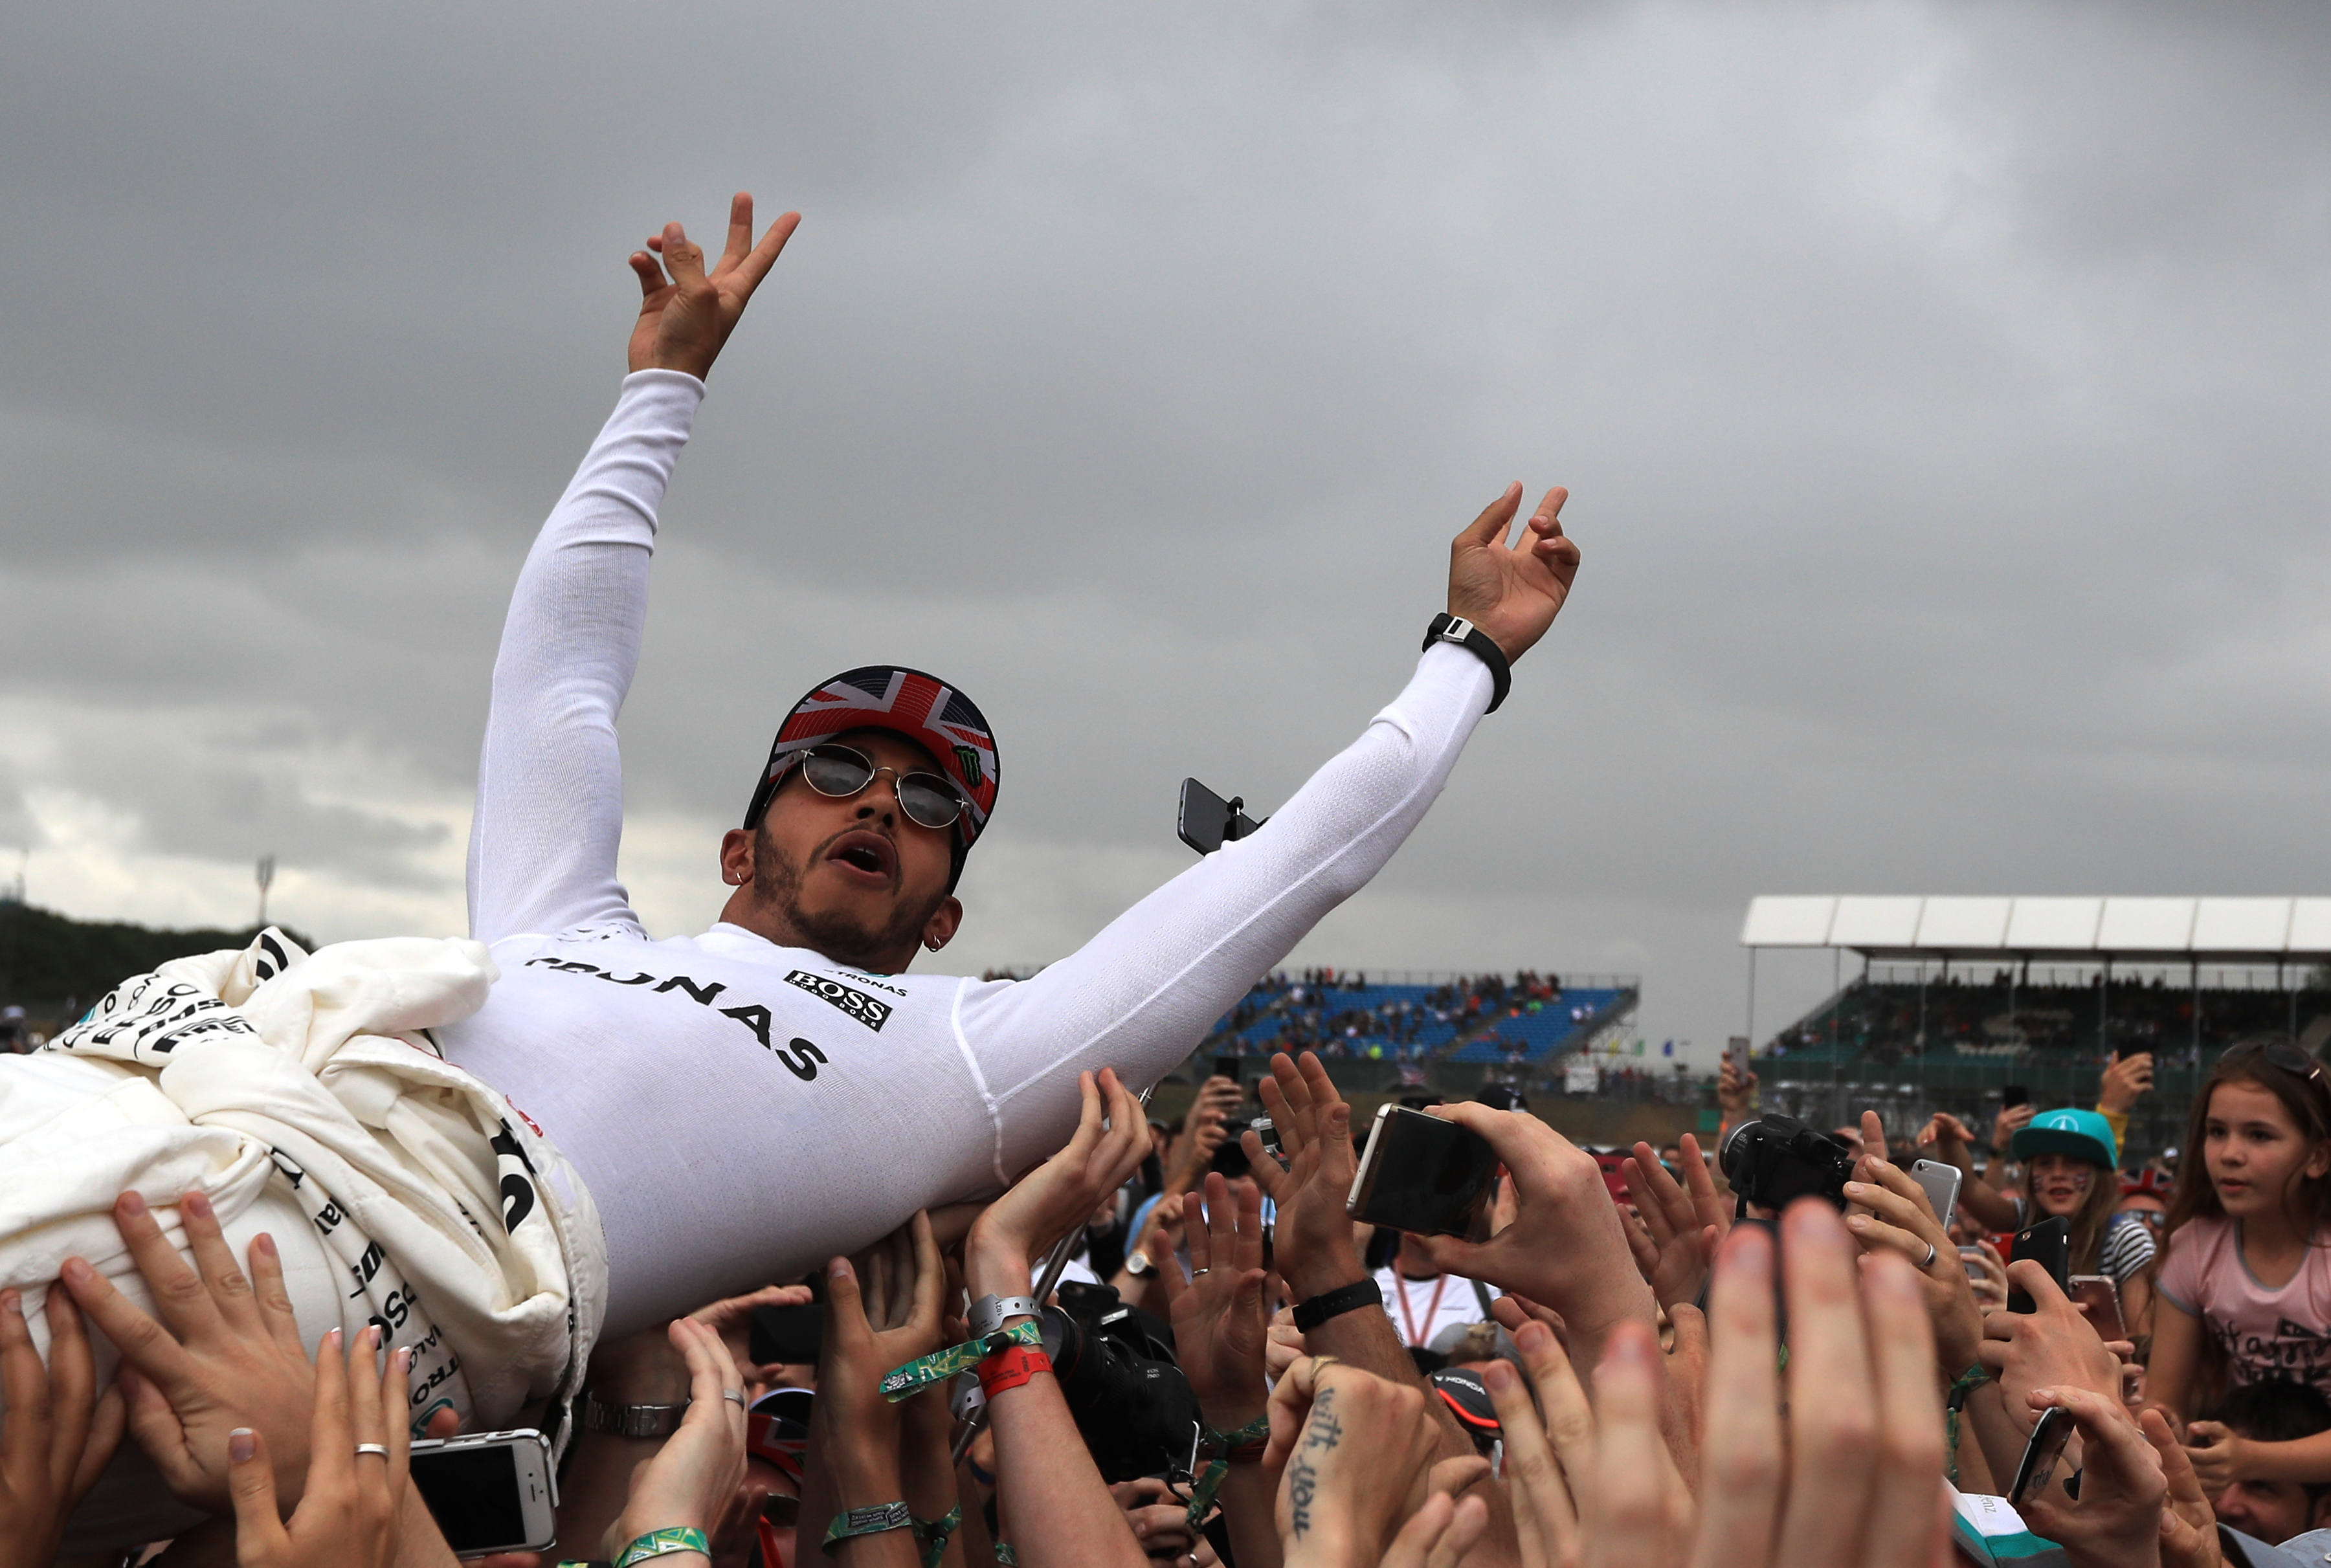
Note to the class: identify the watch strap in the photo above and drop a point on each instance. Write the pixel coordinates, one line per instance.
(632, 1420)
(1310, 1314)
(1448, 628)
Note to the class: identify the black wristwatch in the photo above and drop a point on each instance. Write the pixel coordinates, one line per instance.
(1310, 1314)
(1448, 628)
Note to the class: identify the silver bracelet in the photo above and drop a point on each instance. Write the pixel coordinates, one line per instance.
(989, 1313)
(632, 1420)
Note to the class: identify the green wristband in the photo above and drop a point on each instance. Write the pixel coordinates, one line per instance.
(657, 1543)
(934, 1533)
(904, 1381)
(870, 1521)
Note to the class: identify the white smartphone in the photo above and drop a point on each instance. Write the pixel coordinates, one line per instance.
(1941, 1181)
(491, 1491)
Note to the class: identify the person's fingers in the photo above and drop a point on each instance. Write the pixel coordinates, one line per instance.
(107, 1422)
(684, 260)
(1832, 1417)
(710, 1376)
(1467, 1525)
(1650, 1205)
(740, 233)
(650, 272)
(272, 1300)
(1301, 1114)
(1490, 526)
(757, 264)
(24, 1388)
(1532, 1467)
(443, 1424)
(1873, 1134)
(1569, 1416)
(846, 1328)
(1707, 1203)
(181, 1300)
(2036, 1282)
(1639, 1243)
(1741, 1453)
(230, 1287)
(1270, 1180)
(73, 1388)
(2202, 1434)
(1247, 1254)
(365, 1422)
(154, 1425)
(930, 1277)
(1909, 1417)
(1873, 1232)
(260, 1536)
(1290, 1405)
(1453, 1475)
(331, 1450)
(1630, 1511)
(1196, 1235)
(396, 1405)
(1412, 1546)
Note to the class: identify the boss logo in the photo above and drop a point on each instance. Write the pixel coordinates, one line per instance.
(857, 1005)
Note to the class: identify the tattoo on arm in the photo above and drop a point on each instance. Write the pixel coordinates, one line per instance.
(1324, 1431)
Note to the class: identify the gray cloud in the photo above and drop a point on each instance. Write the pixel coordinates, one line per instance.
(1939, 387)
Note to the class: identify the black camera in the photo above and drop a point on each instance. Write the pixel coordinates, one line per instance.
(1132, 1405)
(1774, 1160)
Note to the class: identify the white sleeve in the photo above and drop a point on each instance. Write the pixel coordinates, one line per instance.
(1140, 995)
(549, 816)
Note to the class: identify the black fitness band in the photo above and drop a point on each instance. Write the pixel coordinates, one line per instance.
(1310, 1314)
(1448, 628)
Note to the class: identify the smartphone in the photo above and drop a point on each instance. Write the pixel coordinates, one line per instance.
(490, 1492)
(1939, 1180)
(791, 1334)
(1424, 1176)
(1267, 1131)
(1231, 1068)
(2049, 1244)
(1971, 1261)
(2098, 1296)
(1206, 822)
(2040, 1452)
(2012, 1094)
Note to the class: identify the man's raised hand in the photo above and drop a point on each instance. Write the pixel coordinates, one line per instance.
(1513, 593)
(685, 319)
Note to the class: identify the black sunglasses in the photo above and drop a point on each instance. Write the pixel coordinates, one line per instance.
(928, 799)
(2280, 1053)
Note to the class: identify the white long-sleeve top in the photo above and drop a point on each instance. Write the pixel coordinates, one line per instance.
(741, 1111)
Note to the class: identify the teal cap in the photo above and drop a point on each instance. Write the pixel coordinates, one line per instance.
(2083, 1134)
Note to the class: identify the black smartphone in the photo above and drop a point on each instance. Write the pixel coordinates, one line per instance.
(1206, 822)
(490, 1491)
(2040, 1452)
(791, 1334)
(1231, 1068)
(2049, 1244)
(1424, 1175)
(2012, 1094)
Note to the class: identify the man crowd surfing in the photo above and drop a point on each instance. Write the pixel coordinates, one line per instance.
(560, 1164)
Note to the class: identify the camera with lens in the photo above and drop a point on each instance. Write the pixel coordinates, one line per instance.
(1132, 1405)
(1773, 1160)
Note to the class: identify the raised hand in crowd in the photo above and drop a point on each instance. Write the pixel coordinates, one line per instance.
(1735, 1091)
(355, 1509)
(1889, 1209)
(1160, 1522)
(58, 1431)
(695, 1479)
(2125, 1080)
(2189, 1524)
(2053, 1346)
(685, 320)
(1991, 1288)
(2117, 1520)
(1681, 1221)
(1220, 1336)
(2011, 1120)
(1056, 1510)
(1566, 1248)
(732, 1320)
(224, 1354)
(1360, 1460)
(1842, 1472)
(1946, 1138)
(1204, 1130)
(882, 1310)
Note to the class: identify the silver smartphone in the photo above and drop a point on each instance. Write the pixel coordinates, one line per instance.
(1940, 1179)
(491, 1491)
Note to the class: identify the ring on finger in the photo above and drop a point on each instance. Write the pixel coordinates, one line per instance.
(380, 1449)
(735, 1395)
(1932, 1252)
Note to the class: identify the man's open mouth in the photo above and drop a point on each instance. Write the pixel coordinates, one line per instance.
(864, 853)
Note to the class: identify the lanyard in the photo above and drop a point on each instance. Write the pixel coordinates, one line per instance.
(1430, 1313)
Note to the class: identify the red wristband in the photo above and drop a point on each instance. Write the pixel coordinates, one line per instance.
(1008, 1369)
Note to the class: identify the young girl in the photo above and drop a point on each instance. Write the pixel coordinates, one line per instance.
(2249, 1256)
(2072, 1169)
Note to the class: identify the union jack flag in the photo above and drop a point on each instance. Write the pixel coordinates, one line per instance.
(922, 707)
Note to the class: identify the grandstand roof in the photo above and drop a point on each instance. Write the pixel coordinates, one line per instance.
(2074, 930)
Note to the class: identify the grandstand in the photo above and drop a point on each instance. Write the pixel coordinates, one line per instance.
(1452, 1031)
(1959, 997)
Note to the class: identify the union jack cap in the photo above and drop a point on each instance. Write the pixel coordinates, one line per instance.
(924, 709)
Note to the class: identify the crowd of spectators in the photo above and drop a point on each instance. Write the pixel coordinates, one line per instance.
(1640, 1364)
(1338, 1014)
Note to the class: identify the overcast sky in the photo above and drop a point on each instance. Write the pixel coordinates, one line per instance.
(1941, 389)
